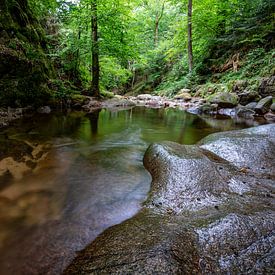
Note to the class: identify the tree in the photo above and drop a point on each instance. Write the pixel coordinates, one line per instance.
(190, 43)
(159, 15)
(95, 50)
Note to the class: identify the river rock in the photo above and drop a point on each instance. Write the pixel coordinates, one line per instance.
(204, 215)
(247, 96)
(207, 108)
(252, 149)
(144, 97)
(272, 107)
(267, 86)
(239, 85)
(251, 105)
(263, 105)
(44, 110)
(225, 100)
(183, 96)
(245, 112)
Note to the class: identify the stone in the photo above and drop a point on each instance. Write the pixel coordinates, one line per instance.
(227, 112)
(225, 100)
(183, 96)
(253, 148)
(208, 108)
(247, 96)
(240, 85)
(205, 214)
(144, 97)
(270, 116)
(245, 112)
(272, 107)
(185, 91)
(251, 105)
(44, 110)
(267, 86)
(263, 105)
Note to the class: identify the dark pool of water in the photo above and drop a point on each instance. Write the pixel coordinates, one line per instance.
(90, 176)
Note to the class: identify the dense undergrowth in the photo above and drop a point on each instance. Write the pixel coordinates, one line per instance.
(45, 48)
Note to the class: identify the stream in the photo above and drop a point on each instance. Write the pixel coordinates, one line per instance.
(66, 177)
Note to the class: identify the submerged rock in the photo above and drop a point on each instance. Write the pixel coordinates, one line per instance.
(206, 211)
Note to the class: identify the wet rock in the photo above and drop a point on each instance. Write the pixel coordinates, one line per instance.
(270, 116)
(146, 244)
(144, 97)
(183, 96)
(44, 110)
(251, 105)
(114, 102)
(272, 107)
(227, 112)
(225, 100)
(245, 112)
(247, 96)
(240, 85)
(263, 105)
(253, 148)
(267, 86)
(208, 108)
(203, 215)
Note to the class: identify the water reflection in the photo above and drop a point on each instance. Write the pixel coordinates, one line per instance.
(82, 173)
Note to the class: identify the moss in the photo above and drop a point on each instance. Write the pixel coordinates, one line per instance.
(24, 65)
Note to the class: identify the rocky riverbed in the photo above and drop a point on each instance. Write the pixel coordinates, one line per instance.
(210, 210)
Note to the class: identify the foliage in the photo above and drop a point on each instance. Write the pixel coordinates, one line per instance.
(143, 43)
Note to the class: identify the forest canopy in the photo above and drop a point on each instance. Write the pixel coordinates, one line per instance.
(158, 46)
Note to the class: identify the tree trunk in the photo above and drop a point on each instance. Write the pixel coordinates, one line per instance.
(95, 51)
(158, 18)
(190, 46)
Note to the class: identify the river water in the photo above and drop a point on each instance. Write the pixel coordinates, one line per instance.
(64, 178)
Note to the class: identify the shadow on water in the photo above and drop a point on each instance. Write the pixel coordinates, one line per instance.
(64, 178)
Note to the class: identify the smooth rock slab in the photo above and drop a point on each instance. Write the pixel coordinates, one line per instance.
(204, 215)
(252, 149)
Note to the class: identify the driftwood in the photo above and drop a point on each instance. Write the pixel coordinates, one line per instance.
(233, 62)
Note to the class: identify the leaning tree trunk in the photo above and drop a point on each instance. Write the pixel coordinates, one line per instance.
(190, 46)
(95, 51)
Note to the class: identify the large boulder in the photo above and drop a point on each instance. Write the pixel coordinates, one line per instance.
(225, 100)
(267, 86)
(244, 112)
(183, 95)
(264, 105)
(248, 96)
(205, 213)
(252, 149)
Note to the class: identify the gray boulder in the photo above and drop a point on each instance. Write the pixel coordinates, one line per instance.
(44, 110)
(204, 215)
(272, 107)
(267, 86)
(251, 105)
(225, 100)
(245, 112)
(263, 105)
(247, 96)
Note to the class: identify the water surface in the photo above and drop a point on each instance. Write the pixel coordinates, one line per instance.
(64, 178)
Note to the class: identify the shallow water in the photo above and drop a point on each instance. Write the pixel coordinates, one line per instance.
(64, 178)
